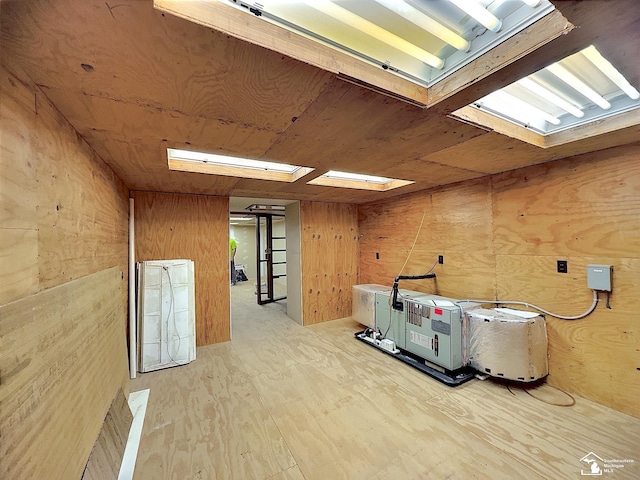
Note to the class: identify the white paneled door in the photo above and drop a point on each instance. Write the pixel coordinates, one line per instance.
(166, 314)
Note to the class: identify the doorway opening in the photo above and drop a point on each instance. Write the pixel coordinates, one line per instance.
(266, 233)
(271, 258)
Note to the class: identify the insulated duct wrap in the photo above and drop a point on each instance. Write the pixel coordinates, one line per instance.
(364, 303)
(508, 344)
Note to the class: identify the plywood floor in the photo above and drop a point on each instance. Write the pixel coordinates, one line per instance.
(281, 401)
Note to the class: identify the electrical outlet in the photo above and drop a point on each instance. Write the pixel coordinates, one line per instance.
(440, 259)
(562, 266)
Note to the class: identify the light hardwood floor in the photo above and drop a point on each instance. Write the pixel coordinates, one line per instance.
(281, 401)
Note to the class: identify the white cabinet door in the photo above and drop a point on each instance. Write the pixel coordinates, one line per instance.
(166, 314)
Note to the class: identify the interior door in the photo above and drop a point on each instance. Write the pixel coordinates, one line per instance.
(270, 258)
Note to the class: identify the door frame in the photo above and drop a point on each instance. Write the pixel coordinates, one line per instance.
(268, 260)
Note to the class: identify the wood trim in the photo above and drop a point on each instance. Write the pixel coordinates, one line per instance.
(534, 36)
(345, 183)
(240, 172)
(491, 122)
(597, 127)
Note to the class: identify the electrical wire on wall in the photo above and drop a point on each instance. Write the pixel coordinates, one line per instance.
(535, 307)
(415, 240)
(424, 214)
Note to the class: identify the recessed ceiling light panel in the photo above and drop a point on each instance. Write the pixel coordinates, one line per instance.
(579, 90)
(422, 41)
(201, 162)
(334, 178)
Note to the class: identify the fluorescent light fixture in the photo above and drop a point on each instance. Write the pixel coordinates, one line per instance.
(365, 26)
(574, 82)
(241, 219)
(550, 96)
(427, 23)
(334, 178)
(610, 71)
(419, 41)
(508, 105)
(201, 162)
(588, 87)
(479, 14)
(357, 176)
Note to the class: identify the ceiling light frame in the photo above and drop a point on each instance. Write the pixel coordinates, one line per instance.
(334, 178)
(214, 164)
(435, 70)
(599, 115)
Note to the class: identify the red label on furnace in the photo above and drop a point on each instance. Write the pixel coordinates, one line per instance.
(437, 311)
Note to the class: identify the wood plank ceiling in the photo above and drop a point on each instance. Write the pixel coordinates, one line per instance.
(133, 80)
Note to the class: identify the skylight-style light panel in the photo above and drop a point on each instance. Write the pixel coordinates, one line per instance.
(422, 41)
(578, 90)
(357, 176)
(201, 162)
(214, 159)
(334, 178)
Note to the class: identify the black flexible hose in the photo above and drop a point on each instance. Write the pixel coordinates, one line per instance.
(397, 304)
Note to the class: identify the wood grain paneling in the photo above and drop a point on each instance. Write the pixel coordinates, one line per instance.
(18, 188)
(82, 205)
(171, 226)
(501, 237)
(62, 359)
(174, 65)
(454, 222)
(63, 350)
(149, 76)
(17, 151)
(584, 205)
(329, 258)
(596, 357)
(18, 263)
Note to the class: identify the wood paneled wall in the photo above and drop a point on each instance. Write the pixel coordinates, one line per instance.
(63, 287)
(63, 354)
(329, 260)
(501, 237)
(170, 226)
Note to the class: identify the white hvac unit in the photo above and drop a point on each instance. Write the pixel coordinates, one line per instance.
(166, 314)
(363, 307)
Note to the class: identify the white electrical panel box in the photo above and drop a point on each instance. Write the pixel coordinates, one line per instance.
(599, 277)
